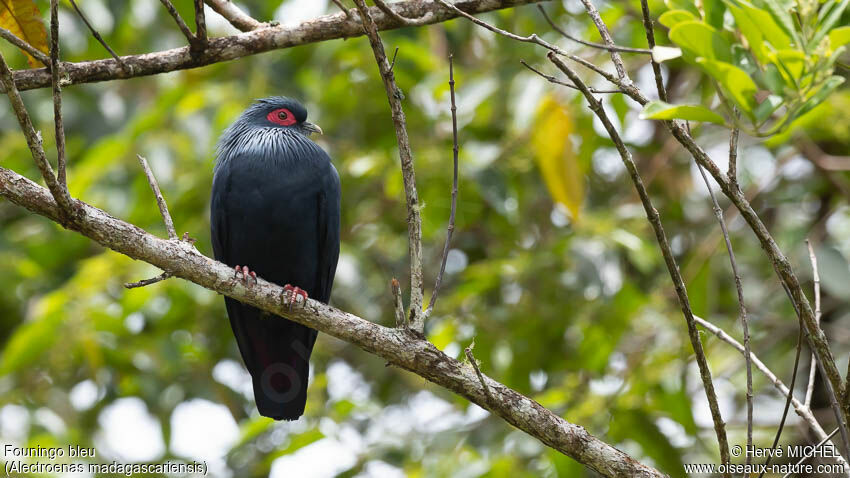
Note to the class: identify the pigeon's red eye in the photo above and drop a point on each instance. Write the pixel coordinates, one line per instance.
(281, 116)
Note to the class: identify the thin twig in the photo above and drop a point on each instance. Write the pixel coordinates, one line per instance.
(451, 227)
(474, 362)
(811, 452)
(395, 54)
(397, 303)
(23, 45)
(160, 201)
(788, 399)
(803, 411)
(344, 10)
(661, 237)
(190, 37)
(59, 127)
(556, 81)
(606, 37)
(97, 36)
(732, 171)
(650, 40)
(742, 308)
(404, 21)
(34, 141)
(233, 14)
(816, 278)
(624, 84)
(414, 220)
(200, 26)
(623, 49)
(147, 282)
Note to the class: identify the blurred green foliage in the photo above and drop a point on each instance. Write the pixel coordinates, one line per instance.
(578, 314)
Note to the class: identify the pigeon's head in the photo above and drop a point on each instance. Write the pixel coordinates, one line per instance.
(279, 112)
(274, 128)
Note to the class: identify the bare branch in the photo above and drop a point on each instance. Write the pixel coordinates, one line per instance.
(160, 201)
(414, 220)
(327, 27)
(781, 266)
(474, 362)
(661, 237)
(36, 147)
(97, 36)
(732, 171)
(656, 68)
(397, 303)
(451, 227)
(233, 14)
(802, 410)
(809, 454)
(399, 347)
(200, 25)
(59, 127)
(404, 21)
(35, 52)
(816, 278)
(190, 37)
(147, 282)
(606, 37)
(742, 308)
(556, 81)
(600, 46)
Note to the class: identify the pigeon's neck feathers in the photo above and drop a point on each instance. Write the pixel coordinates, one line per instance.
(268, 145)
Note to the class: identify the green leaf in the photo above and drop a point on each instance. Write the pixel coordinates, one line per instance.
(672, 17)
(688, 5)
(698, 39)
(826, 25)
(839, 37)
(714, 10)
(791, 65)
(767, 107)
(735, 82)
(828, 87)
(758, 26)
(782, 14)
(659, 110)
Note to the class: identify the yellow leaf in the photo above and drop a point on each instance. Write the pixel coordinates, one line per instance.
(555, 157)
(23, 18)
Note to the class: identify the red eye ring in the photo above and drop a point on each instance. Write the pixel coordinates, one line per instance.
(281, 116)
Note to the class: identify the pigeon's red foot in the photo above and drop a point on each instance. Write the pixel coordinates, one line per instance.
(292, 294)
(246, 274)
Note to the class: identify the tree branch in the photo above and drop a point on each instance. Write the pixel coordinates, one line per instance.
(96, 35)
(661, 237)
(201, 39)
(599, 46)
(404, 21)
(451, 227)
(59, 127)
(802, 410)
(233, 14)
(35, 52)
(34, 141)
(190, 37)
(327, 27)
(399, 347)
(816, 278)
(414, 220)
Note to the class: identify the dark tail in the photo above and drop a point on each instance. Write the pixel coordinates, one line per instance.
(276, 352)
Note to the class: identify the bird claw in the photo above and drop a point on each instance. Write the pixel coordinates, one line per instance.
(292, 294)
(246, 273)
